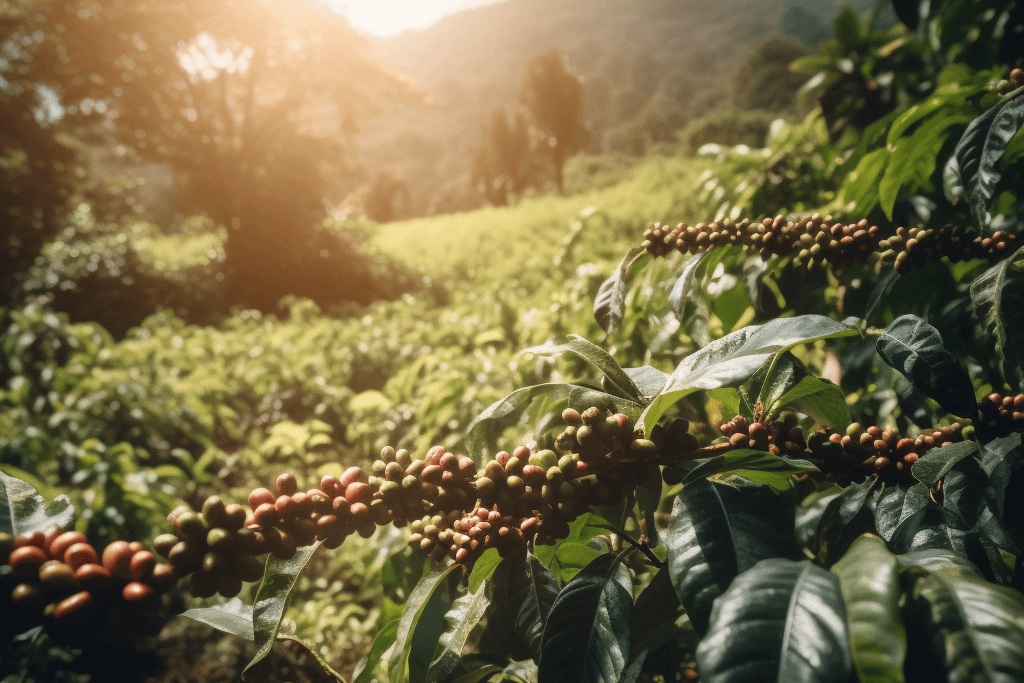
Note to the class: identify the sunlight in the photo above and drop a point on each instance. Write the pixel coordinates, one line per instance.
(384, 18)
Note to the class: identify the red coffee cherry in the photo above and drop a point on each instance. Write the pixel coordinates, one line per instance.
(286, 484)
(141, 565)
(138, 594)
(74, 608)
(163, 578)
(93, 577)
(351, 476)
(31, 538)
(55, 576)
(116, 559)
(49, 534)
(260, 497)
(80, 553)
(26, 561)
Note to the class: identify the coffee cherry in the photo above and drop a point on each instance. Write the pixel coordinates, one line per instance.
(261, 497)
(93, 577)
(55, 576)
(74, 608)
(30, 597)
(116, 558)
(286, 485)
(30, 538)
(141, 565)
(26, 561)
(163, 544)
(79, 554)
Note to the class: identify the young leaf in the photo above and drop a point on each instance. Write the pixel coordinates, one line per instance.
(279, 579)
(398, 665)
(914, 348)
(234, 617)
(756, 466)
(965, 628)
(718, 531)
(611, 297)
(484, 568)
(571, 554)
(981, 147)
(464, 615)
(597, 356)
(731, 360)
(998, 295)
(870, 586)
(586, 637)
(781, 621)
(23, 510)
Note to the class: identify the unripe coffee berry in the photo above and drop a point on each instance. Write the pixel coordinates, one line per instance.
(54, 575)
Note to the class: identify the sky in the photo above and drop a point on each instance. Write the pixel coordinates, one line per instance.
(384, 18)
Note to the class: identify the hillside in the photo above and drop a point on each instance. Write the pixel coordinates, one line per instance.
(648, 68)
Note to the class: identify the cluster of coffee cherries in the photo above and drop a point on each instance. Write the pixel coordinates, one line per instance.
(1001, 415)
(817, 239)
(844, 458)
(57, 579)
(1013, 81)
(214, 548)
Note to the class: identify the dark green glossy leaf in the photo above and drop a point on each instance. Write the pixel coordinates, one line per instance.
(398, 665)
(234, 617)
(501, 414)
(846, 517)
(648, 500)
(781, 621)
(870, 586)
(808, 516)
(718, 531)
(934, 464)
(586, 637)
(610, 299)
(881, 289)
(1004, 461)
(915, 349)
(595, 355)
(757, 466)
(531, 591)
(279, 578)
(23, 510)
(965, 628)
(464, 615)
(384, 640)
(998, 295)
(731, 360)
(980, 148)
(657, 608)
(908, 520)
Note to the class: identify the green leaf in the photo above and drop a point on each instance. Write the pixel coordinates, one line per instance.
(384, 640)
(914, 348)
(504, 412)
(716, 532)
(610, 300)
(647, 379)
(757, 466)
(586, 638)
(531, 592)
(657, 608)
(648, 500)
(846, 517)
(908, 520)
(484, 568)
(680, 293)
(464, 615)
(1005, 494)
(774, 378)
(881, 289)
(234, 617)
(398, 664)
(571, 554)
(819, 399)
(846, 26)
(862, 188)
(999, 297)
(731, 360)
(965, 628)
(597, 356)
(982, 145)
(23, 510)
(279, 578)
(948, 95)
(781, 621)
(870, 586)
(582, 398)
(934, 464)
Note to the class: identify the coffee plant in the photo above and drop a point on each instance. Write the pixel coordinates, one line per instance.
(826, 487)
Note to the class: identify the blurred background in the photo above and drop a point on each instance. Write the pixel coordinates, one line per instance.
(239, 237)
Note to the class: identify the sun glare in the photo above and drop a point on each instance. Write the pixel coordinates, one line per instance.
(389, 17)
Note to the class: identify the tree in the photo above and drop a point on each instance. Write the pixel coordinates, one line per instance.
(502, 164)
(555, 99)
(249, 102)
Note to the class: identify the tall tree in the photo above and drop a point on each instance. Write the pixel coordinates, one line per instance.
(250, 102)
(502, 165)
(555, 98)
